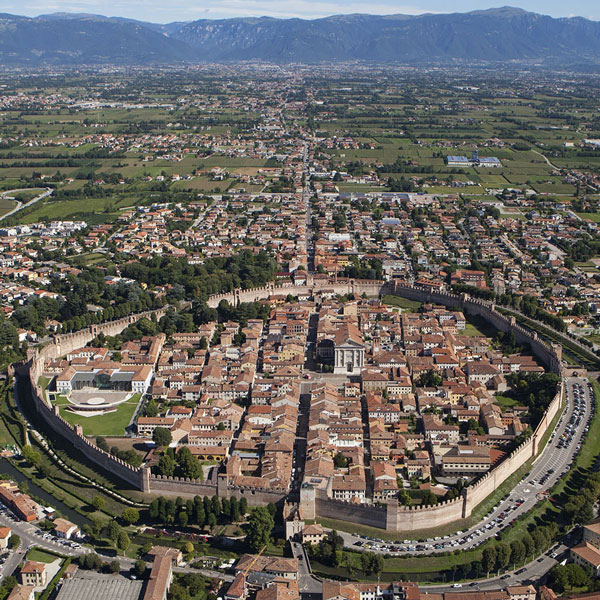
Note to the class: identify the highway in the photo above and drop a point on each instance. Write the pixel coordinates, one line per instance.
(554, 461)
(20, 205)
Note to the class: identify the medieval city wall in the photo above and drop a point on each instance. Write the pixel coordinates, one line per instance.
(61, 345)
(186, 488)
(394, 517)
(346, 511)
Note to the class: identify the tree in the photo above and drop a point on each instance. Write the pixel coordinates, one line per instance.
(188, 548)
(403, 497)
(145, 549)
(166, 465)
(578, 576)
(199, 515)
(517, 552)
(102, 444)
(14, 541)
(212, 520)
(161, 436)
(429, 379)
(376, 564)
(234, 509)
(489, 559)
(243, 507)
(189, 464)
(502, 555)
(33, 457)
(529, 544)
(114, 529)
(365, 562)
(96, 524)
(139, 568)
(259, 528)
(558, 578)
(585, 513)
(123, 542)
(215, 505)
(182, 517)
(151, 409)
(131, 516)
(340, 461)
(225, 507)
(114, 566)
(539, 539)
(97, 502)
(154, 508)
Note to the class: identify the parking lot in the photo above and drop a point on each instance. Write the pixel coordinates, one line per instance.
(550, 466)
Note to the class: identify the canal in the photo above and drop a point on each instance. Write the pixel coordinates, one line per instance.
(36, 490)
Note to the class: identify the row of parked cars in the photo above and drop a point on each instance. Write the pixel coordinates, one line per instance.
(57, 540)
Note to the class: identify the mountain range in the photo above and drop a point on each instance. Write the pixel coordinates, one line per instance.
(488, 36)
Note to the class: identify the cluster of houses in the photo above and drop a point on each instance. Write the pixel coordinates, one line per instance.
(404, 396)
(272, 578)
(419, 400)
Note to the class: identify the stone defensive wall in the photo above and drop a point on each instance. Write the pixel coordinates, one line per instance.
(357, 287)
(364, 514)
(549, 356)
(392, 516)
(33, 368)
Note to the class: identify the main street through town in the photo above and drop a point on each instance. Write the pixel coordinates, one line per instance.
(548, 468)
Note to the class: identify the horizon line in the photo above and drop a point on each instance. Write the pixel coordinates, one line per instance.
(281, 18)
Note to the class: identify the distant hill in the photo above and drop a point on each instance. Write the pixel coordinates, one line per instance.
(85, 39)
(496, 35)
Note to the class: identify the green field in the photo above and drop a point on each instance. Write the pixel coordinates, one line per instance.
(471, 330)
(505, 401)
(109, 424)
(41, 556)
(6, 205)
(594, 217)
(404, 303)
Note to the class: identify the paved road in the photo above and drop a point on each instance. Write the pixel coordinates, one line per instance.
(546, 159)
(547, 469)
(20, 205)
(307, 582)
(306, 196)
(31, 536)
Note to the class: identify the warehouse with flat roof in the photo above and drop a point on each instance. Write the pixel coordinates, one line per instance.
(100, 587)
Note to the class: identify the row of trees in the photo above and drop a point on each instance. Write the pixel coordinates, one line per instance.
(201, 511)
(502, 555)
(579, 509)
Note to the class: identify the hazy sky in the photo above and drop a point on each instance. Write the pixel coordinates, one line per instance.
(184, 10)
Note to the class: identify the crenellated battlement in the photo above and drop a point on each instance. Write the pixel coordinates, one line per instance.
(390, 516)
